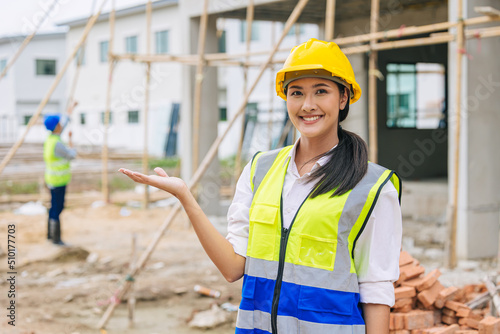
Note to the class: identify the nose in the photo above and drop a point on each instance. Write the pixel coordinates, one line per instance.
(309, 104)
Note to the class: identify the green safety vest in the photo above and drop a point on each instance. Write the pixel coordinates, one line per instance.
(303, 279)
(57, 170)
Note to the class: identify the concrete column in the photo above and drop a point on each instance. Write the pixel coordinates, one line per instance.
(210, 185)
(479, 195)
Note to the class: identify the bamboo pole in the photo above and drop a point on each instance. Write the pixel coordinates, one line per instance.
(111, 66)
(145, 156)
(198, 84)
(372, 85)
(131, 296)
(330, 19)
(202, 168)
(452, 253)
(56, 81)
(26, 41)
(249, 22)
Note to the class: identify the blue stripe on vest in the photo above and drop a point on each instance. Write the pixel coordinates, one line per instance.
(303, 302)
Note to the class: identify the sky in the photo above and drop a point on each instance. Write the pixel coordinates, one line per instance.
(22, 16)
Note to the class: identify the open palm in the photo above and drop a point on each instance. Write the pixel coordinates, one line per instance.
(162, 181)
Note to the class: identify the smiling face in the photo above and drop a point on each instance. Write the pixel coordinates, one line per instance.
(313, 107)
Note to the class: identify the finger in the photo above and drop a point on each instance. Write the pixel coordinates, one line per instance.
(160, 171)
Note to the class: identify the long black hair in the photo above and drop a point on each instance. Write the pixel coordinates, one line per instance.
(348, 161)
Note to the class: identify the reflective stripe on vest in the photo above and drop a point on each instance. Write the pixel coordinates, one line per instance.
(57, 170)
(303, 279)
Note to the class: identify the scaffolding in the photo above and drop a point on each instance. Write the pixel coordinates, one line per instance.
(371, 42)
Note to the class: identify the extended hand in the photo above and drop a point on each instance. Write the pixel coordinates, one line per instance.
(162, 181)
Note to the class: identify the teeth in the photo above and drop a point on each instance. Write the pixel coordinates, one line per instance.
(309, 119)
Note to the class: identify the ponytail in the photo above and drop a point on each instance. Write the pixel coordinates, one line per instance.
(347, 164)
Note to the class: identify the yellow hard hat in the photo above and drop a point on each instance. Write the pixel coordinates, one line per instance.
(313, 58)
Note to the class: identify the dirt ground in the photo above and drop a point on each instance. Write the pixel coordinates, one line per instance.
(60, 292)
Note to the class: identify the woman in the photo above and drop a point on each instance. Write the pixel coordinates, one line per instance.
(314, 228)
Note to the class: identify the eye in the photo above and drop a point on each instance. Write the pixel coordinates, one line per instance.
(321, 91)
(296, 93)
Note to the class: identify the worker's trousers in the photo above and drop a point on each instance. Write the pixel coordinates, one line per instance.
(57, 202)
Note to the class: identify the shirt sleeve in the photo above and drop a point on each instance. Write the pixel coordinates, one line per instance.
(376, 255)
(61, 151)
(238, 213)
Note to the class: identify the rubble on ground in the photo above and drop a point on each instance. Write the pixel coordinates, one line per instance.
(424, 306)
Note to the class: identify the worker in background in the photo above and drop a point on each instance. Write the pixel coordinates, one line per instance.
(314, 228)
(57, 158)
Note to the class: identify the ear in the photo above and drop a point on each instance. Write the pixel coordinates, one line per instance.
(344, 98)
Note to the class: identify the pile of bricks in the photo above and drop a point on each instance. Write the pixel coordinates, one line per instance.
(424, 306)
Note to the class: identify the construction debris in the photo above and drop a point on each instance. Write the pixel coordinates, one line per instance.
(210, 318)
(424, 306)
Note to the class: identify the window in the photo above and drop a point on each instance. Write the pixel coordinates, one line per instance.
(3, 64)
(133, 116)
(416, 96)
(45, 67)
(82, 119)
(26, 119)
(300, 29)
(131, 44)
(243, 31)
(103, 47)
(161, 38)
(103, 114)
(222, 42)
(80, 56)
(222, 113)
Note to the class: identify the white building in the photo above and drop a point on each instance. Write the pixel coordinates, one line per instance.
(129, 81)
(27, 82)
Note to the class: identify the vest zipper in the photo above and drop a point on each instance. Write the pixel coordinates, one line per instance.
(279, 279)
(285, 233)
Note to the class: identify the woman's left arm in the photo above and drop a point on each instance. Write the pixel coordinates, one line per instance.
(376, 318)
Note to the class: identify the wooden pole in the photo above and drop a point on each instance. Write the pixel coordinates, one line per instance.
(26, 41)
(452, 253)
(372, 85)
(145, 156)
(56, 81)
(111, 66)
(271, 90)
(249, 22)
(198, 83)
(203, 166)
(330, 19)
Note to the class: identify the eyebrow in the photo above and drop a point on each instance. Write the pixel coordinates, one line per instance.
(315, 86)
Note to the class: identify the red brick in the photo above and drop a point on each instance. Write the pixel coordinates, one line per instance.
(472, 323)
(489, 325)
(445, 319)
(399, 331)
(454, 305)
(404, 309)
(402, 302)
(404, 292)
(466, 331)
(413, 282)
(463, 312)
(405, 258)
(429, 280)
(428, 297)
(444, 295)
(418, 319)
(396, 321)
(448, 312)
(442, 330)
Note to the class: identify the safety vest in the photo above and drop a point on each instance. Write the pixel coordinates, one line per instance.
(303, 279)
(57, 170)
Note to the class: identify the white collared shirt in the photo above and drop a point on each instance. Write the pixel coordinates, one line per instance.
(376, 256)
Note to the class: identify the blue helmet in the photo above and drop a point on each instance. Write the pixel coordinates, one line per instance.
(51, 121)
